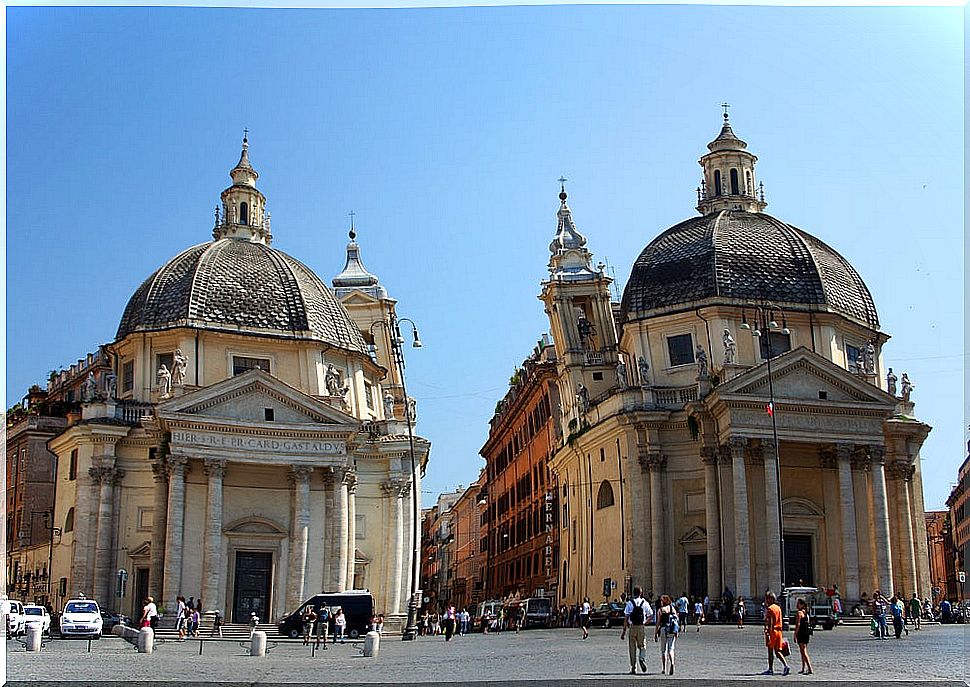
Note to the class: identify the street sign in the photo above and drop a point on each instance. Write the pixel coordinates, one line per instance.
(607, 586)
(962, 576)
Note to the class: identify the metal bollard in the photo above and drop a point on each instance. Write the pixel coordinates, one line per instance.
(146, 640)
(34, 637)
(372, 644)
(257, 645)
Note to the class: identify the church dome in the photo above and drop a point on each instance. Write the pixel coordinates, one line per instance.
(244, 287)
(739, 256)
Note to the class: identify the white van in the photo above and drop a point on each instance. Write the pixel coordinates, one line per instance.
(14, 610)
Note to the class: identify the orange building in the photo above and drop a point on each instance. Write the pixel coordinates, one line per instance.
(469, 549)
(523, 546)
(943, 555)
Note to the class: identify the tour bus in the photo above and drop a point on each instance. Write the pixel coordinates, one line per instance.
(358, 606)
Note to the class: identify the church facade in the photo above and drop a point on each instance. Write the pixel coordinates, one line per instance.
(731, 425)
(249, 445)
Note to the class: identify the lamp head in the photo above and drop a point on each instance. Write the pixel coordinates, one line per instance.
(417, 339)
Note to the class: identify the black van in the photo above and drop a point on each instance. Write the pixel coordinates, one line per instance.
(358, 609)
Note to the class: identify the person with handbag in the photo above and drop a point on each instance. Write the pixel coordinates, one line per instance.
(774, 639)
(668, 622)
(803, 632)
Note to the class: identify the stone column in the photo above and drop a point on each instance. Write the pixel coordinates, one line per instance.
(772, 515)
(213, 561)
(107, 476)
(329, 581)
(923, 587)
(159, 517)
(712, 521)
(85, 533)
(351, 527)
(657, 563)
(742, 538)
(863, 518)
(171, 586)
(902, 474)
(299, 477)
(394, 490)
(726, 495)
(850, 545)
(340, 528)
(880, 519)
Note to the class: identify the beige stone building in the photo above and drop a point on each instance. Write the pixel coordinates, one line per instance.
(250, 445)
(669, 471)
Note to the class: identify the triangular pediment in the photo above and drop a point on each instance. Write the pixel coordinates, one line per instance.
(694, 534)
(803, 376)
(247, 397)
(357, 297)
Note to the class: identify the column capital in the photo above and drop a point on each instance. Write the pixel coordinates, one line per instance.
(396, 488)
(656, 461)
(709, 455)
(755, 454)
(843, 451)
(106, 474)
(900, 471)
(877, 453)
(737, 443)
(351, 483)
(300, 474)
(768, 448)
(339, 474)
(177, 466)
(215, 468)
(827, 456)
(860, 459)
(159, 471)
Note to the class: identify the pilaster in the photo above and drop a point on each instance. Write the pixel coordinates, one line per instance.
(712, 520)
(742, 538)
(850, 545)
(212, 556)
(172, 583)
(880, 517)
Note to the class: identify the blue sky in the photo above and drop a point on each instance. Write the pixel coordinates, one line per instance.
(445, 130)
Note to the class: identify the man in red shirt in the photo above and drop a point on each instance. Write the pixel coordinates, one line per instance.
(774, 639)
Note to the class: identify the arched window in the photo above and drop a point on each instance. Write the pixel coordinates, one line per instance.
(734, 182)
(748, 188)
(243, 213)
(717, 182)
(69, 521)
(604, 497)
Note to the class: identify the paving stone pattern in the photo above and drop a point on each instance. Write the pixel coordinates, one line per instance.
(719, 656)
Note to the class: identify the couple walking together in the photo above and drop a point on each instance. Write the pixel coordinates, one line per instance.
(636, 616)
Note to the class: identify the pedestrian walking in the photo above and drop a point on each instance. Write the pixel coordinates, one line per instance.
(308, 618)
(253, 623)
(668, 624)
(683, 603)
(186, 629)
(584, 611)
(339, 625)
(449, 620)
(914, 612)
(194, 620)
(465, 619)
(774, 639)
(698, 613)
(803, 632)
(636, 615)
(180, 616)
(217, 623)
(879, 610)
(739, 612)
(519, 618)
(896, 612)
(323, 626)
(380, 623)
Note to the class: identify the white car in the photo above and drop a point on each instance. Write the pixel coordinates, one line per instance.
(81, 618)
(14, 610)
(37, 615)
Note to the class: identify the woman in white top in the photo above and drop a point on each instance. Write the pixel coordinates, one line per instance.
(340, 626)
(584, 611)
(149, 612)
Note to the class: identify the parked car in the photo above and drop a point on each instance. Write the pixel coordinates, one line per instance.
(14, 611)
(607, 614)
(81, 618)
(110, 619)
(34, 614)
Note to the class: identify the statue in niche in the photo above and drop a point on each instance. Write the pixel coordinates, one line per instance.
(179, 363)
(388, 405)
(582, 397)
(89, 388)
(643, 367)
(412, 410)
(110, 381)
(621, 374)
(164, 381)
(585, 328)
(891, 382)
(730, 347)
(906, 387)
(869, 359)
(332, 382)
(701, 357)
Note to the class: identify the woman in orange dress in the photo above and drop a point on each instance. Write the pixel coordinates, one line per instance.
(774, 639)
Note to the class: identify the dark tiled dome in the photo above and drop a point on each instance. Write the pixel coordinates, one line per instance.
(243, 287)
(743, 256)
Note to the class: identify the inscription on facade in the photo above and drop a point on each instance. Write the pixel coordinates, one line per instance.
(272, 444)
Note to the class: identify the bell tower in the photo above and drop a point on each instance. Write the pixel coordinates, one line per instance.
(729, 181)
(243, 214)
(577, 300)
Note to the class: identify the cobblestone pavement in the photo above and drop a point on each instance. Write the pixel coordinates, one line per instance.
(719, 655)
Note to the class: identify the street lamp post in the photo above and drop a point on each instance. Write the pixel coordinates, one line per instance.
(393, 326)
(766, 323)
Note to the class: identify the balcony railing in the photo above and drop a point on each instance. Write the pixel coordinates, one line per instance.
(133, 411)
(675, 396)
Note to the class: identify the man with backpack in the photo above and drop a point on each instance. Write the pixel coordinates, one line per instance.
(323, 626)
(636, 615)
